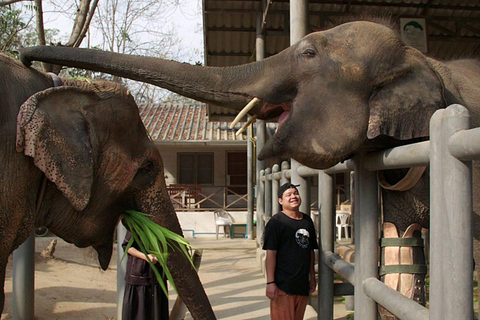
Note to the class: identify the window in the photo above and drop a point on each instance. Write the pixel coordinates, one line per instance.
(195, 168)
(237, 172)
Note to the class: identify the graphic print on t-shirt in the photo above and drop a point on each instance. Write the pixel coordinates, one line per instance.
(302, 236)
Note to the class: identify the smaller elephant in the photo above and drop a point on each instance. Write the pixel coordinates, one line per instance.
(73, 159)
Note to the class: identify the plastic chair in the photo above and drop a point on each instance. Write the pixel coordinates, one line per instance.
(342, 221)
(223, 219)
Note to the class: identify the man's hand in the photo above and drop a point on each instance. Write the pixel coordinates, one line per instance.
(313, 284)
(272, 291)
(152, 258)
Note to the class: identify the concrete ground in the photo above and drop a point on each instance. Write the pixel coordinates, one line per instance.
(233, 280)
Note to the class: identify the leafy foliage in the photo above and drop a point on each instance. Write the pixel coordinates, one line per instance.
(157, 240)
(11, 24)
(17, 30)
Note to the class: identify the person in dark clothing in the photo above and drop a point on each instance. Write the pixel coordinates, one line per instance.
(290, 240)
(144, 298)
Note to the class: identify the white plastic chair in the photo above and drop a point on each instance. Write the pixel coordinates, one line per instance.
(342, 221)
(223, 219)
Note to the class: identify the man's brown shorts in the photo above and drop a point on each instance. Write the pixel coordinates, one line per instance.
(288, 307)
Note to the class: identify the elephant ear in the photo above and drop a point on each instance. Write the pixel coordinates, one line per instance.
(402, 105)
(53, 130)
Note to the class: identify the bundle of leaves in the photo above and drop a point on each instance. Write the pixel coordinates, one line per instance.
(157, 240)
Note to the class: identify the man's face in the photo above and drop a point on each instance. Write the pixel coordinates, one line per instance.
(290, 199)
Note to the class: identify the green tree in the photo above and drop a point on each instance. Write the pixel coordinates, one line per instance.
(11, 26)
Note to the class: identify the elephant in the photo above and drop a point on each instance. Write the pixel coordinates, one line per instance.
(353, 88)
(73, 159)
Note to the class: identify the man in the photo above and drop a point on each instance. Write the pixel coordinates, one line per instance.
(290, 239)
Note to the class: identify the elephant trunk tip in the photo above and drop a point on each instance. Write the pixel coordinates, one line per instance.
(23, 54)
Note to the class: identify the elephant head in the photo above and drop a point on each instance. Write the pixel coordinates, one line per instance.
(334, 92)
(89, 142)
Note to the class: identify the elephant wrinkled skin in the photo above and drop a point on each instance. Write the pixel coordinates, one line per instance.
(89, 142)
(353, 88)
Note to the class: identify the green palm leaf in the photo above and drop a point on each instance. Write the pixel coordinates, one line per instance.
(157, 240)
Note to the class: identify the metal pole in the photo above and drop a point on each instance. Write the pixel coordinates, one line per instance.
(285, 168)
(275, 184)
(23, 287)
(121, 269)
(366, 237)
(298, 20)
(325, 274)
(298, 29)
(303, 189)
(250, 190)
(268, 195)
(451, 273)
(394, 301)
(261, 131)
(260, 208)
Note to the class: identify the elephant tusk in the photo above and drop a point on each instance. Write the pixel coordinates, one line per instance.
(245, 126)
(244, 111)
(409, 181)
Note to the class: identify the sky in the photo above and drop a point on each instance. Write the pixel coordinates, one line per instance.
(186, 18)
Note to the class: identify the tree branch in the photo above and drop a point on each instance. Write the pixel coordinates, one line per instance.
(8, 2)
(86, 25)
(80, 19)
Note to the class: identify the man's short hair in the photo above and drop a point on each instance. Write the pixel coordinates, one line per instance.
(285, 187)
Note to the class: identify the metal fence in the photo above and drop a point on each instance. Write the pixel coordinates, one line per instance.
(449, 153)
(206, 198)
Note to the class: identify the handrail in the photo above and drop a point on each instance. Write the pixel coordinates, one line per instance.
(394, 301)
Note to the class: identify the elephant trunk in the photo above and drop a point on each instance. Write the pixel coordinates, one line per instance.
(230, 87)
(157, 203)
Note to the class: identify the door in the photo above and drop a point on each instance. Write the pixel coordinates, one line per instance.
(237, 172)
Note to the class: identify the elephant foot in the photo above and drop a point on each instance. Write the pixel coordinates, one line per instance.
(403, 265)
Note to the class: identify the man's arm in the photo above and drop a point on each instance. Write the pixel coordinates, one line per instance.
(270, 263)
(138, 254)
(313, 281)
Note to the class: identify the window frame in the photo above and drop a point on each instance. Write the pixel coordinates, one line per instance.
(196, 167)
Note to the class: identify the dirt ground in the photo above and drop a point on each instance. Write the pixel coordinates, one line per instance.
(69, 286)
(72, 286)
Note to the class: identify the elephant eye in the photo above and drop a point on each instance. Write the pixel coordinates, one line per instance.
(146, 167)
(145, 174)
(309, 53)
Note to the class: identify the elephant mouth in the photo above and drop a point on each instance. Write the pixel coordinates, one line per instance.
(271, 111)
(267, 111)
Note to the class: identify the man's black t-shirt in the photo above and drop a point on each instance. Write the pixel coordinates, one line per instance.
(294, 241)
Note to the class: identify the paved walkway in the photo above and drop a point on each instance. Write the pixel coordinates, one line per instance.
(233, 280)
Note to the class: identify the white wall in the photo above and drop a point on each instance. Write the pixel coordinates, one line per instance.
(203, 222)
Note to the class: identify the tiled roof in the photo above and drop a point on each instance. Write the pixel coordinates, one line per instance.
(186, 122)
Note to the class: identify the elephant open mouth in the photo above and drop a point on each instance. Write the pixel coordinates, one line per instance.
(271, 111)
(268, 111)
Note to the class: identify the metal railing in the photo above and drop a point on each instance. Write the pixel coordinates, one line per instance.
(449, 152)
(186, 197)
(206, 198)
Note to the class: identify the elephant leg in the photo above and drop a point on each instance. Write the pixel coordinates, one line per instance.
(403, 265)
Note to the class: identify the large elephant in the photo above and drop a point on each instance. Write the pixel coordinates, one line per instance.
(355, 87)
(73, 159)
